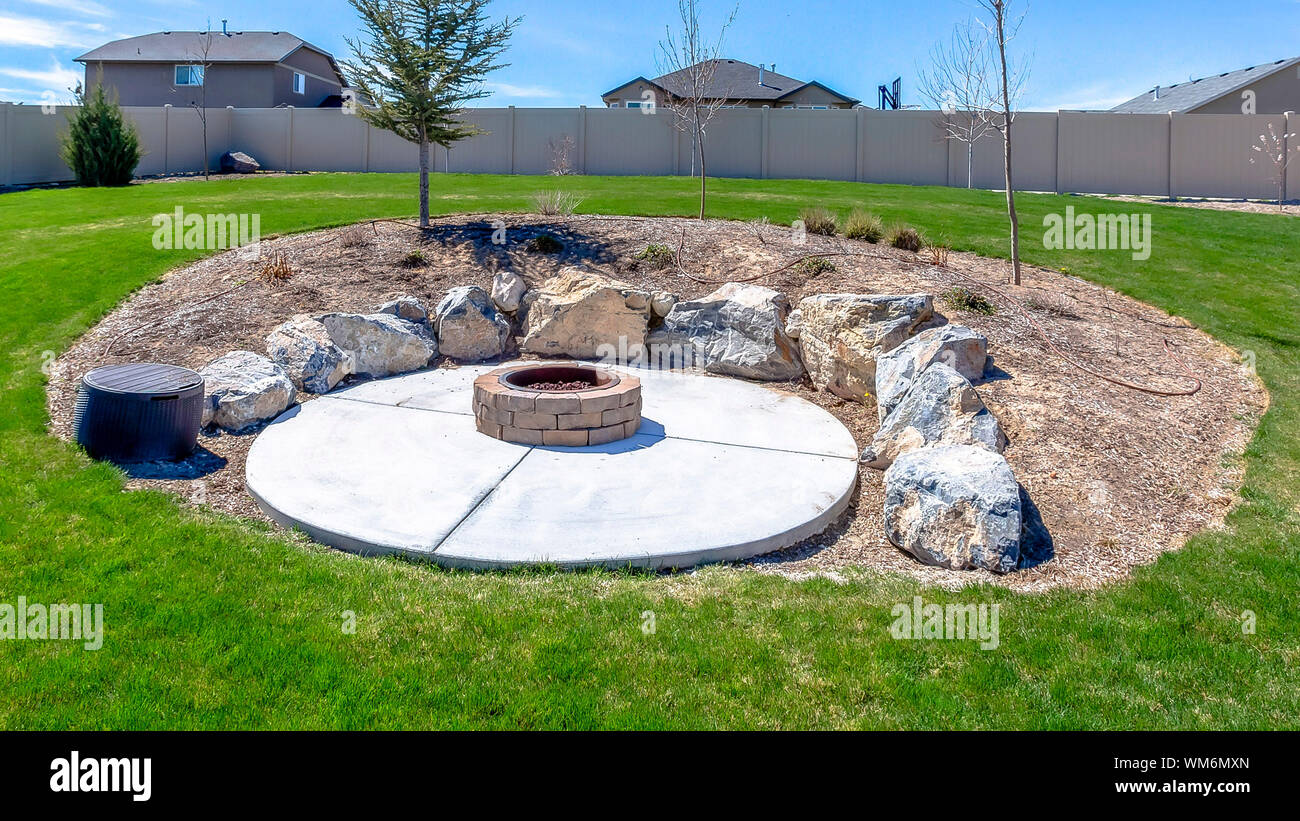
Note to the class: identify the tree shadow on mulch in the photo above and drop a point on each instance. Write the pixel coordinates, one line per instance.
(489, 251)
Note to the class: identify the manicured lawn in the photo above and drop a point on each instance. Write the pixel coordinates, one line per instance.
(217, 623)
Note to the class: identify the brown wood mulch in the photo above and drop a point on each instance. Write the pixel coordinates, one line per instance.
(1118, 476)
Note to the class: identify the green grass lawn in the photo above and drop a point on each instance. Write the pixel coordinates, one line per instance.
(213, 622)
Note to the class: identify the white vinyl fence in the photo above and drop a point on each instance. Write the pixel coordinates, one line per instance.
(1192, 155)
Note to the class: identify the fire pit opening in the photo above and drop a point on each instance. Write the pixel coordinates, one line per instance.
(561, 405)
(559, 379)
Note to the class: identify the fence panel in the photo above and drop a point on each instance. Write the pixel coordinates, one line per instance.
(1101, 153)
(803, 147)
(1114, 153)
(1212, 155)
(904, 147)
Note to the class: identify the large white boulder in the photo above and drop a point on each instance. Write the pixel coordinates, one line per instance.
(738, 330)
(842, 335)
(381, 344)
(468, 326)
(959, 347)
(576, 313)
(942, 408)
(243, 389)
(955, 506)
(303, 348)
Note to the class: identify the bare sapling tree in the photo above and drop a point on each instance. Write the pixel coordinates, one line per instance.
(197, 68)
(1010, 79)
(418, 64)
(959, 83)
(1274, 151)
(689, 62)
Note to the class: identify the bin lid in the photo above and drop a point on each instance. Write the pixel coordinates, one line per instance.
(143, 378)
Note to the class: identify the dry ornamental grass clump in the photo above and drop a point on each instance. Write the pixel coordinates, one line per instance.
(275, 269)
(905, 238)
(818, 220)
(864, 226)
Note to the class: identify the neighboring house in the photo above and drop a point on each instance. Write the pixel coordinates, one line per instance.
(1268, 89)
(245, 69)
(739, 84)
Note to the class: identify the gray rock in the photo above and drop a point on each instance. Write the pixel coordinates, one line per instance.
(237, 162)
(508, 291)
(841, 337)
(583, 315)
(405, 307)
(942, 408)
(468, 326)
(738, 330)
(244, 389)
(794, 326)
(303, 348)
(661, 303)
(955, 506)
(954, 345)
(381, 344)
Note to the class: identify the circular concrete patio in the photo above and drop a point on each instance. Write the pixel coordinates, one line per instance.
(719, 470)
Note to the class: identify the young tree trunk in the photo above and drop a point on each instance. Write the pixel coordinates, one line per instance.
(704, 176)
(970, 164)
(1006, 146)
(424, 182)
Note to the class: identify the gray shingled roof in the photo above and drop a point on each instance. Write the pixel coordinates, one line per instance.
(177, 46)
(738, 80)
(1183, 97)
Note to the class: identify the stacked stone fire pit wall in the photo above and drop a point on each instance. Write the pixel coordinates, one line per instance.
(561, 418)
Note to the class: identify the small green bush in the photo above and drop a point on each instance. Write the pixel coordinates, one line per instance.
(812, 266)
(415, 259)
(100, 146)
(818, 220)
(545, 244)
(660, 256)
(864, 226)
(905, 237)
(964, 299)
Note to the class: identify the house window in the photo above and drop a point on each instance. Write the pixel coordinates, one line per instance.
(633, 104)
(189, 75)
(613, 105)
(299, 83)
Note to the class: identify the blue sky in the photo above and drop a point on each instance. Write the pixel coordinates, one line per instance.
(567, 52)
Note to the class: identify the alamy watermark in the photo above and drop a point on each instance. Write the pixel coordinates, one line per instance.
(206, 232)
(52, 622)
(1099, 232)
(919, 621)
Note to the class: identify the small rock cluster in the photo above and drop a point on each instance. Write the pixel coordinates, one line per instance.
(951, 498)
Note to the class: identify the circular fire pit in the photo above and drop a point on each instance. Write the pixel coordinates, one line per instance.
(565, 405)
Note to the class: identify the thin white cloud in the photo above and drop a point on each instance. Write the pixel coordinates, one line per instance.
(524, 92)
(58, 78)
(86, 7)
(28, 31)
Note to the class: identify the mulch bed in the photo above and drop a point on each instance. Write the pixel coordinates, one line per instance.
(1118, 476)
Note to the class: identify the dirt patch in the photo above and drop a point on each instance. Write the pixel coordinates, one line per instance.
(1118, 476)
(1289, 208)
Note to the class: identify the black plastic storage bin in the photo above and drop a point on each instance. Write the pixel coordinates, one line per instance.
(139, 413)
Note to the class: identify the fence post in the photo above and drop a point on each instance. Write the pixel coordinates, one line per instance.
(1056, 167)
(167, 138)
(677, 145)
(512, 139)
(288, 148)
(1286, 153)
(365, 160)
(582, 139)
(766, 126)
(860, 133)
(230, 128)
(6, 131)
(1171, 155)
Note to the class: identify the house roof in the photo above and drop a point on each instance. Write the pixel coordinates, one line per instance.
(736, 80)
(1183, 97)
(182, 46)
